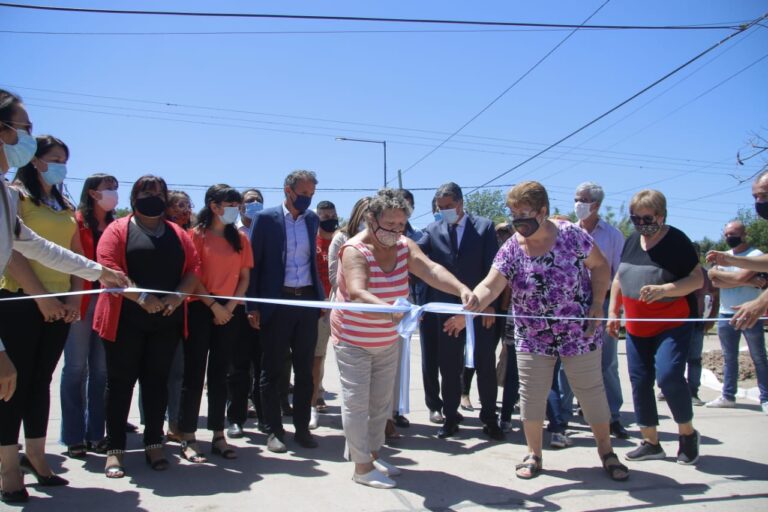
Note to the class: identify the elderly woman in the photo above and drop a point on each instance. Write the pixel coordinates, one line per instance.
(374, 270)
(558, 279)
(658, 274)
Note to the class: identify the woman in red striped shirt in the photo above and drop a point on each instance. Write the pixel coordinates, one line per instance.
(374, 270)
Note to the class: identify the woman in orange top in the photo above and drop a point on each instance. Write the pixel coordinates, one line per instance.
(226, 260)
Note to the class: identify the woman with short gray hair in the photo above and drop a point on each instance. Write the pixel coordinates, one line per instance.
(374, 269)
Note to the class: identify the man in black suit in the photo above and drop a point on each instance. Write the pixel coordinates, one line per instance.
(284, 246)
(466, 246)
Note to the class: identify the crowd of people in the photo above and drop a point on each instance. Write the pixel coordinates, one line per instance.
(187, 324)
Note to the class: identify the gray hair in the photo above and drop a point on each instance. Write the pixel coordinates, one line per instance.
(593, 190)
(299, 175)
(389, 199)
(449, 189)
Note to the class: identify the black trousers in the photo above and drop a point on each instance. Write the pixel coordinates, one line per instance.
(430, 368)
(211, 345)
(451, 362)
(143, 350)
(245, 372)
(294, 329)
(34, 346)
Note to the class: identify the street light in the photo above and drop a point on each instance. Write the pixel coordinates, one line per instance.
(382, 142)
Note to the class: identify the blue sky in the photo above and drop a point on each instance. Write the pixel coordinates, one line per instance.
(248, 108)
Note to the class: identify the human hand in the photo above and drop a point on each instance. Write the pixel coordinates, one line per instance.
(171, 302)
(653, 292)
(7, 377)
(221, 315)
(72, 308)
(470, 300)
(454, 325)
(595, 311)
(51, 308)
(152, 304)
(721, 258)
(489, 321)
(613, 325)
(113, 278)
(748, 314)
(254, 319)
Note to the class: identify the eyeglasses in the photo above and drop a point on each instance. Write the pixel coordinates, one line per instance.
(182, 205)
(645, 219)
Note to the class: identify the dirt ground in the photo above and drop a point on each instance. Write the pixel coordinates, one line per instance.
(713, 360)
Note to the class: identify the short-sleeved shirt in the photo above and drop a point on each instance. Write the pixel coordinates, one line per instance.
(670, 260)
(322, 263)
(730, 297)
(220, 263)
(555, 284)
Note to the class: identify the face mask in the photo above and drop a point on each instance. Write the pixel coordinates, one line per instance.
(733, 241)
(230, 214)
(438, 216)
(329, 225)
(526, 227)
(108, 200)
(150, 206)
(301, 203)
(450, 216)
(648, 229)
(762, 209)
(582, 210)
(251, 209)
(386, 237)
(55, 174)
(21, 153)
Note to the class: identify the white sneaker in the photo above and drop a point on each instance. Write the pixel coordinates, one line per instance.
(764, 405)
(722, 403)
(386, 468)
(313, 418)
(558, 440)
(375, 479)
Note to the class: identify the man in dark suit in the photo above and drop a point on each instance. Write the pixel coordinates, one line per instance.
(466, 246)
(284, 246)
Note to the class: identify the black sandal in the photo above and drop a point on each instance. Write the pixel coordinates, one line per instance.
(196, 457)
(115, 470)
(614, 470)
(77, 451)
(532, 463)
(227, 453)
(160, 464)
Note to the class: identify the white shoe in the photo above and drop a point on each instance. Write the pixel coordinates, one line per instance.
(375, 479)
(558, 440)
(764, 405)
(721, 403)
(386, 468)
(313, 418)
(698, 402)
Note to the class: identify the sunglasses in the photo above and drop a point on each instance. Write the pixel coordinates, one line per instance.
(645, 219)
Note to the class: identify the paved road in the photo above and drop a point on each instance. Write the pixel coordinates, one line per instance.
(465, 473)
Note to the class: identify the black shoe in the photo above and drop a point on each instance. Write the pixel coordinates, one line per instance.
(459, 418)
(493, 431)
(436, 417)
(646, 451)
(401, 421)
(305, 439)
(20, 496)
(235, 431)
(688, 453)
(286, 409)
(449, 429)
(131, 428)
(618, 431)
(97, 447)
(46, 481)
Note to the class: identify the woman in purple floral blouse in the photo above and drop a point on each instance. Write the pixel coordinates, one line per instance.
(557, 278)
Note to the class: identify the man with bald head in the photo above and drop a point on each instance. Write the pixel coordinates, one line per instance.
(739, 286)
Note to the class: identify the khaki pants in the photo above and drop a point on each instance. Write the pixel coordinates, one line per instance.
(584, 373)
(366, 396)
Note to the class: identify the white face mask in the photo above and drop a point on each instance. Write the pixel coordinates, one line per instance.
(108, 200)
(582, 210)
(450, 215)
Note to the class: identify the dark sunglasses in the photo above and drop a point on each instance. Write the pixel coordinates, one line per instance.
(645, 219)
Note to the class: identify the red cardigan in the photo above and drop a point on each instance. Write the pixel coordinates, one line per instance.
(89, 251)
(111, 253)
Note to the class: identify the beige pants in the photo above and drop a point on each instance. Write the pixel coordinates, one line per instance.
(366, 396)
(585, 376)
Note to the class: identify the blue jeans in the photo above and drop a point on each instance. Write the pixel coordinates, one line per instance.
(559, 401)
(83, 381)
(663, 358)
(729, 341)
(694, 358)
(511, 385)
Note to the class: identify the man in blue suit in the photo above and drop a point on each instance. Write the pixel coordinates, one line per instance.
(284, 246)
(466, 246)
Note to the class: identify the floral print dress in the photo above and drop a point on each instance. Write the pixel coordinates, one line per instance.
(555, 284)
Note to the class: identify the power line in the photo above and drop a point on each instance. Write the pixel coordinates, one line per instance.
(639, 93)
(504, 92)
(283, 32)
(365, 19)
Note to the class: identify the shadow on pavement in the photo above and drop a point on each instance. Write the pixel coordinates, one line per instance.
(73, 498)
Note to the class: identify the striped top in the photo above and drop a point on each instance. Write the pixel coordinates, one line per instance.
(365, 330)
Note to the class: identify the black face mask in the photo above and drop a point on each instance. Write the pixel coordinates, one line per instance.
(329, 225)
(733, 241)
(526, 227)
(150, 206)
(762, 209)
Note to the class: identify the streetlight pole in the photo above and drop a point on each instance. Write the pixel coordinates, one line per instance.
(382, 142)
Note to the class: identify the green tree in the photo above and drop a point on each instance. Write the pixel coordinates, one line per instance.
(619, 219)
(757, 228)
(490, 204)
(122, 212)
